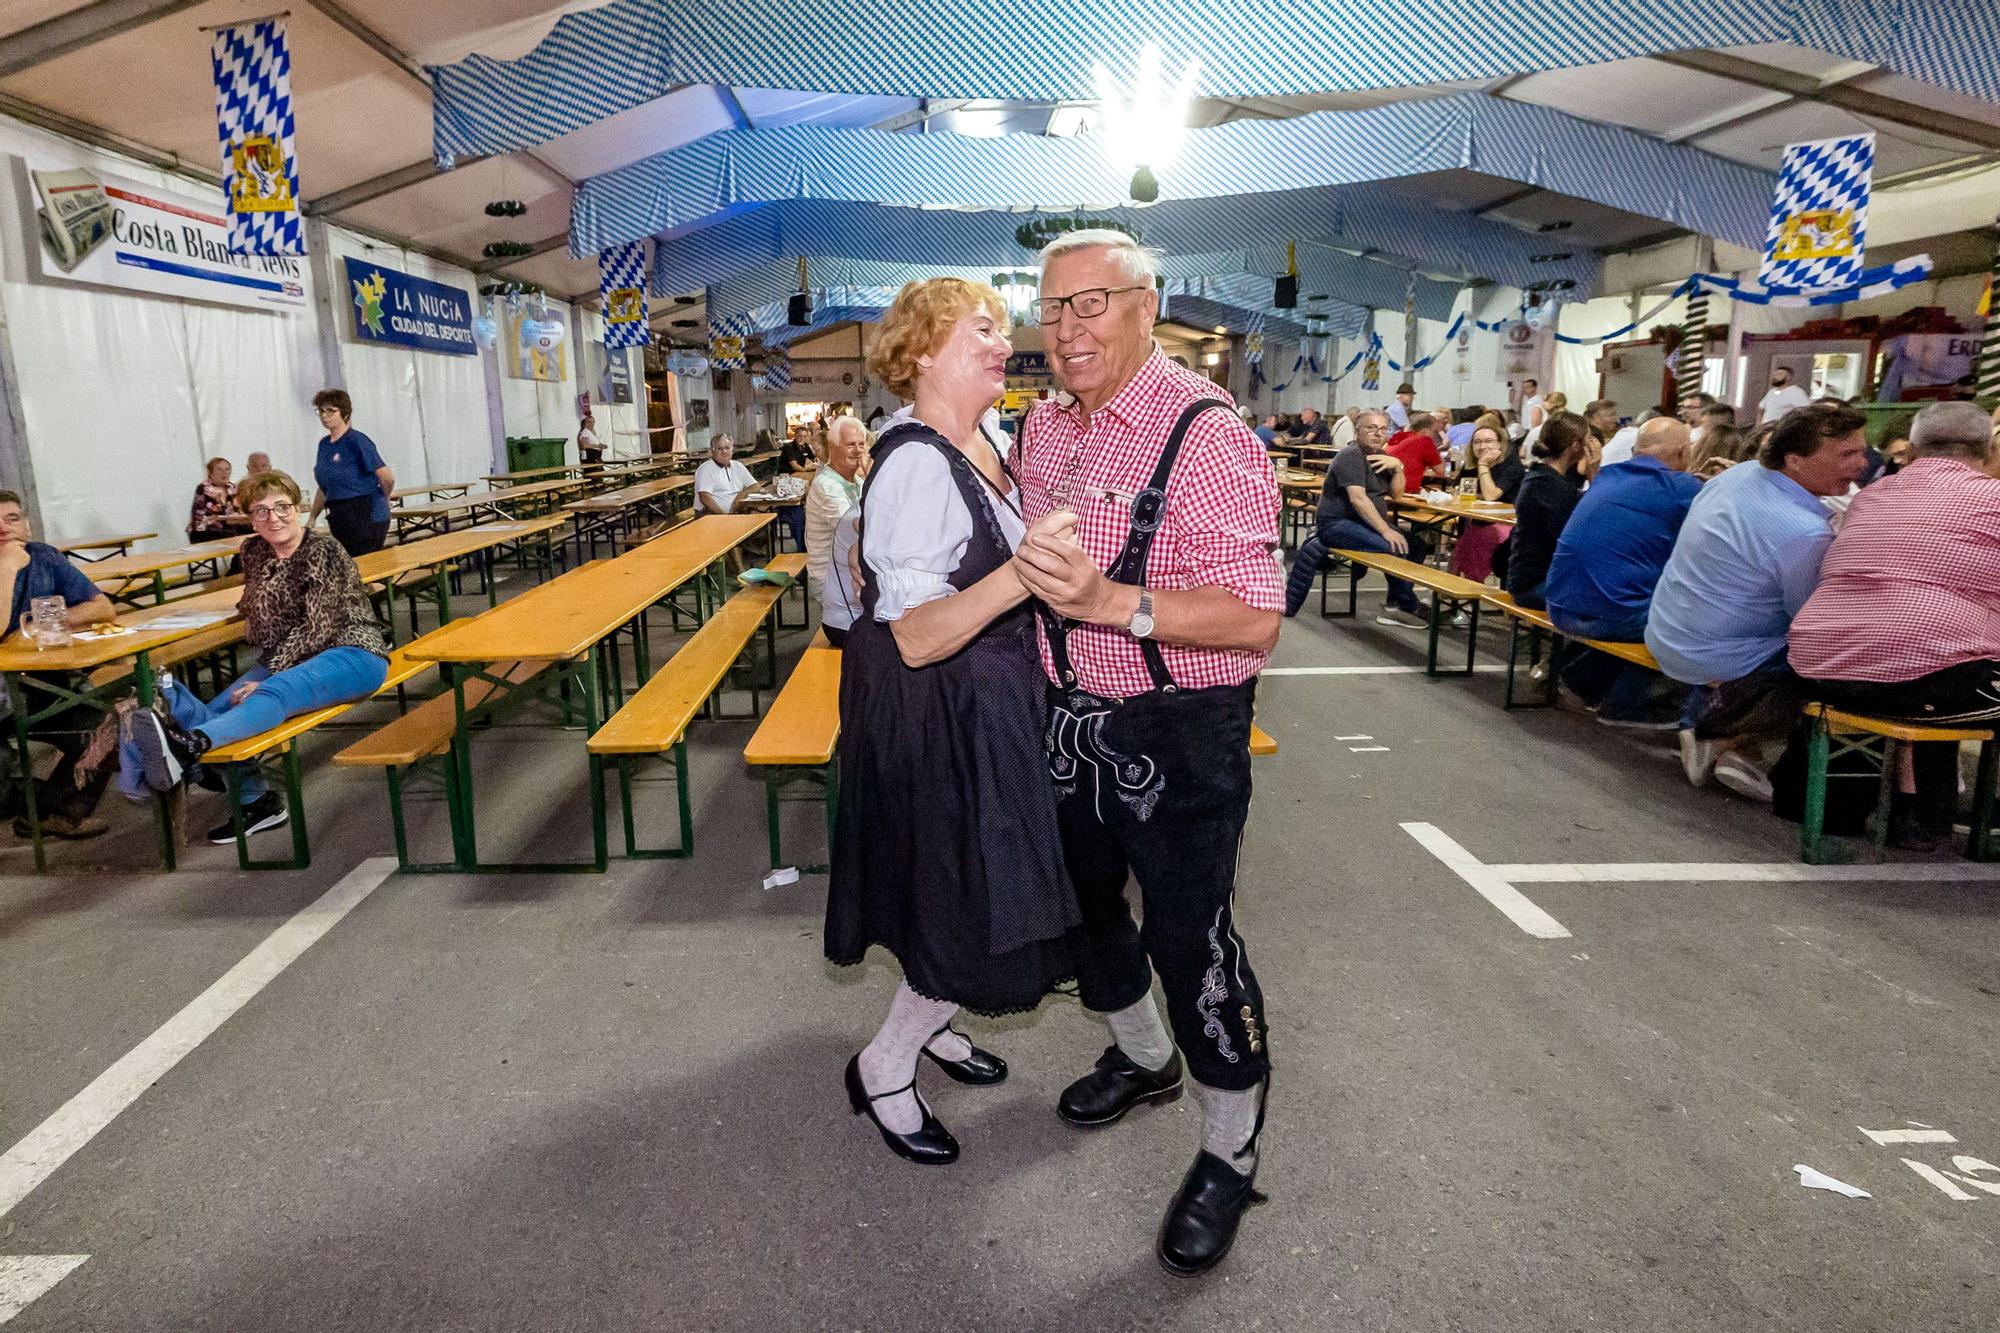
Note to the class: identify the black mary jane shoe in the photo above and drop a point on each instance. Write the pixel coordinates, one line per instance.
(1201, 1223)
(980, 1069)
(931, 1144)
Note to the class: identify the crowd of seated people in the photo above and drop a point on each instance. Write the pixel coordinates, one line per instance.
(1763, 568)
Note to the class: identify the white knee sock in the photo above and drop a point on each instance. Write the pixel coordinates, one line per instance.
(1141, 1035)
(890, 1061)
(1229, 1124)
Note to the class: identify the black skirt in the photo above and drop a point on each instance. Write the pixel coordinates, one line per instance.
(946, 850)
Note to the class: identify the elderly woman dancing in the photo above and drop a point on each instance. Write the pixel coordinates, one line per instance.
(305, 609)
(946, 852)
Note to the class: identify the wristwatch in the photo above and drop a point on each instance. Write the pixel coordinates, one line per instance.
(1141, 624)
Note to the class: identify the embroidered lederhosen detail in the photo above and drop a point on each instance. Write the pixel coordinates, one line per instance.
(1076, 742)
(1076, 725)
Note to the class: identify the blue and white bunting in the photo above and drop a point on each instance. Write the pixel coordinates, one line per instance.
(621, 281)
(1819, 217)
(252, 67)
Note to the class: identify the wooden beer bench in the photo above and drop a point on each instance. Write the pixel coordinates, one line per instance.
(1449, 595)
(1834, 732)
(1537, 623)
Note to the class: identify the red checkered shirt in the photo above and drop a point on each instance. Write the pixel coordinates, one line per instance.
(1911, 584)
(1220, 528)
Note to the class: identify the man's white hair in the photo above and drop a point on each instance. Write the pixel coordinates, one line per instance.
(1138, 263)
(836, 427)
(1951, 427)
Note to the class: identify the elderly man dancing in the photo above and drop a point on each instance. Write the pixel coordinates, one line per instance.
(1155, 622)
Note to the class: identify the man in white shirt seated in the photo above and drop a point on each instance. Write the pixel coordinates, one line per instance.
(1784, 397)
(835, 489)
(719, 481)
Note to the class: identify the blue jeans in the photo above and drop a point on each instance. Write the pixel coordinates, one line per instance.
(1623, 690)
(336, 676)
(1346, 534)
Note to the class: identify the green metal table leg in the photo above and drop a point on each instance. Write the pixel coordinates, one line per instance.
(19, 698)
(832, 806)
(1884, 795)
(163, 812)
(295, 795)
(1979, 842)
(465, 842)
(1812, 824)
(592, 719)
(771, 817)
(396, 816)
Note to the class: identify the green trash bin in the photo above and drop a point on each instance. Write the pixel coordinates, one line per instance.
(525, 453)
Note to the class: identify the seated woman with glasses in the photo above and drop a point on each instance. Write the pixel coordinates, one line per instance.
(305, 609)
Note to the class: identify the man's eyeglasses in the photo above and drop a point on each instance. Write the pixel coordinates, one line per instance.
(278, 510)
(1086, 304)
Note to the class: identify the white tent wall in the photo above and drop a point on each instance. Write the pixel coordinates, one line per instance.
(621, 428)
(125, 395)
(426, 411)
(1576, 374)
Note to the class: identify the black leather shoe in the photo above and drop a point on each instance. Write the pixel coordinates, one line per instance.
(1201, 1223)
(1115, 1087)
(931, 1145)
(979, 1069)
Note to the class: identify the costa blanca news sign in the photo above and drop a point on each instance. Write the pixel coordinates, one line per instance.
(112, 232)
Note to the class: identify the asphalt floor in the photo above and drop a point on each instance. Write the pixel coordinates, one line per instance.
(583, 1102)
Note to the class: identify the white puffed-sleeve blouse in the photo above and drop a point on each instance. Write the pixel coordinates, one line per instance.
(915, 526)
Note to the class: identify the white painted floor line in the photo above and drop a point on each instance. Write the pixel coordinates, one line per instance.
(1491, 886)
(1369, 749)
(1485, 668)
(1737, 872)
(1354, 738)
(25, 1277)
(31, 1161)
(1888, 1136)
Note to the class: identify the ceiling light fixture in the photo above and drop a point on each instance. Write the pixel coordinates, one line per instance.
(1018, 291)
(1144, 131)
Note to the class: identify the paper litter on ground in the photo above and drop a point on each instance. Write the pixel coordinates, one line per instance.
(1819, 1180)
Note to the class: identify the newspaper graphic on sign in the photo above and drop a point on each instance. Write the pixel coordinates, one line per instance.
(1819, 217)
(75, 216)
(104, 229)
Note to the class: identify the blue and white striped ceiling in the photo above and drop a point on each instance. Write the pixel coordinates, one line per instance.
(703, 181)
(1360, 218)
(601, 61)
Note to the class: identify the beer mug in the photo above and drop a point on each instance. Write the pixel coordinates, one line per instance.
(47, 622)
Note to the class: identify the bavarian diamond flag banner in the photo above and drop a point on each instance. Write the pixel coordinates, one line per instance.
(252, 64)
(1819, 217)
(621, 280)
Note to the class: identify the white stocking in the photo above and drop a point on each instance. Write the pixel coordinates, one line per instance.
(890, 1061)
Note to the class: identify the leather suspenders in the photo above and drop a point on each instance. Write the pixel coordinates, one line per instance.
(1149, 508)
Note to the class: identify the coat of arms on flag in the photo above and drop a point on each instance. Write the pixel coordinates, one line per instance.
(252, 65)
(1819, 216)
(621, 280)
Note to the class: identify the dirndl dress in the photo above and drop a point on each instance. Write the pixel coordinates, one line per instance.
(946, 850)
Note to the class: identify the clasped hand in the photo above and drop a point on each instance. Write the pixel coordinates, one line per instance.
(1054, 567)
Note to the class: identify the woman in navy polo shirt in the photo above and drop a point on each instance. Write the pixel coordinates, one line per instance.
(354, 483)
